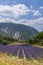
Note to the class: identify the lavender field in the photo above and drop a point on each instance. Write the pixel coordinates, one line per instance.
(22, 51)
(21, 54)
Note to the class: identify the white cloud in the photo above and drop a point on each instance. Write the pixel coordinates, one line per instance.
(41, 7)
(18, 10)
(33, 11)
(14, 11)
(31, 6)
(36, 23)
(36, 13)
(20, 21)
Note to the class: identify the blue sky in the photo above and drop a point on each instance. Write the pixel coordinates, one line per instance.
(27, 12)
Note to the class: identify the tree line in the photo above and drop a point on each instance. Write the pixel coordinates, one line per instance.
(37, 40)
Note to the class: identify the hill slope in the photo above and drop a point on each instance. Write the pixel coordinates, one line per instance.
(37, 40)
(17, 31)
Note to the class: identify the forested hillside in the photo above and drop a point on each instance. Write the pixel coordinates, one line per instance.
(38, 39)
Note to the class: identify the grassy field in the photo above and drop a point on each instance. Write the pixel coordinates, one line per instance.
(11, 60)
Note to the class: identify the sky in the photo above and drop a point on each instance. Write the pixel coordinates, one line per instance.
(27, 12)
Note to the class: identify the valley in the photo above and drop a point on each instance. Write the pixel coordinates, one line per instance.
(20, 45)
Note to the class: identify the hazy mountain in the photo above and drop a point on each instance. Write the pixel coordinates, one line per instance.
(17, 31)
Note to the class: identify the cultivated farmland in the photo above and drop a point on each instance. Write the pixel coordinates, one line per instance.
(21, 54)
(22, 51)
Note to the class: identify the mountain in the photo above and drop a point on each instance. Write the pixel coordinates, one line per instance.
(17, 31)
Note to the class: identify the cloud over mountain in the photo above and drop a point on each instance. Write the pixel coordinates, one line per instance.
(22, 14)
(13, 11)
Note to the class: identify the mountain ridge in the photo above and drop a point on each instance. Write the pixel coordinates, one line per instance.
(17, 31)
